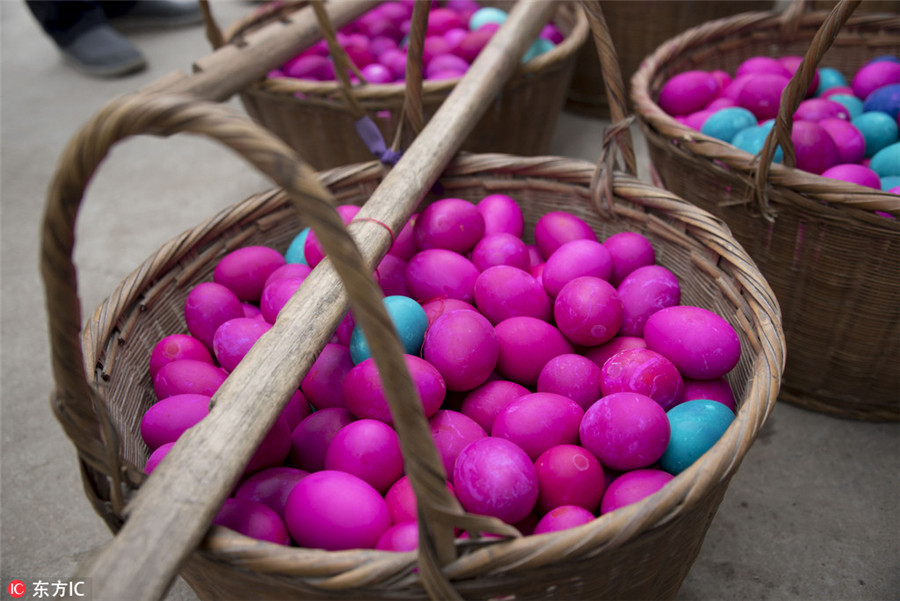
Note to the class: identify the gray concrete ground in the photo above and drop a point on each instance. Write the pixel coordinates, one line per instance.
(812, 513)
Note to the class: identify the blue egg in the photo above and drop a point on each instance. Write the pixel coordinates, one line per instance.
(410, 323)
(753, 139)
(853, 104)
(695, 426)
(886, 162)
(878, 129)
(294, 253)
(725, 123)
(485, 15)
(829, 78)
(890, 182)
(885, 99)
(537, 48)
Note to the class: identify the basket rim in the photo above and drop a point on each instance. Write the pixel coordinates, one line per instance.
(858, 201)
(552, 60)
(608, 531)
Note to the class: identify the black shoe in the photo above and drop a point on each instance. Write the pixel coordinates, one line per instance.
(103, 52)
(158, 14)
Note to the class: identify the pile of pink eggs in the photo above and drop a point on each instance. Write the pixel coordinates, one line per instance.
(377, 41)
(845, 129)
(561, 379)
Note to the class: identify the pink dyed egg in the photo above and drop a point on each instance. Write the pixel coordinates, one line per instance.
(643, 292)
(311, 437)
(588, 311)
(404, 245)
(334, 510)
(718, 390)
(575, 259)
(761, 64)
(276, 295)
(569, 474)
(207, 306)
(312, 66)
(364, 394)
(436, 308)
(722, 102)
(854, 174)
(555, 228)
(502, 215)
(500, 249)
(563, 518)
(643, 371)
(697, 119)
(628, 251)
(313, 251)
(445, 62)
(792, 63)
(485, 402)
(526, 344)
(850, 142)
(688, 92)
(815, 149)
(187, 376)
(440, 273)
(177, 346)
(463, 347)
(633, 487)
(322, 383)
(253, 519)
(274, 448)
(625, 431)
(537, 421)
(400, 538)
(601, 354)
(289, 270)
(401, 500)
(816, 109)
(391, 276)
(377, 73)
(452, 431)
(296, 409)
(573, 376)
(271, 487)
(872, 76)
(701, 344)
(473, 43)
(157, 456)
(450, 223)
(495, 477)
(234, 339)
(761, 94)
(369, 449)
(244, 271)
(168, 419)
(504, 291)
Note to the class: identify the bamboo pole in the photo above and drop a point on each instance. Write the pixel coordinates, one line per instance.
(174, 508)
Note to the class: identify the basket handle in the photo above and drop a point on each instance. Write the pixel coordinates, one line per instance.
(794, 94)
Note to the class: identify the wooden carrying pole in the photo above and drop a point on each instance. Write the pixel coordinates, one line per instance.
(172, 511)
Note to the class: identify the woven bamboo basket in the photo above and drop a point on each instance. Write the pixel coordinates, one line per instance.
(317, 119)
(644, 550)
(636, 36)
(833, 262)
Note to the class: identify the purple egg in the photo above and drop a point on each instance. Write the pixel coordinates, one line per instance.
(688, 92)
(445, 62)
(761, 94)
(244, 271)
(400, 538)
(500, 249)
(377, 73)
(588, 311)
(187, 376)
(718, 390)
(701, 344)
(502, 215)
(628, 250)
(334, 510)
(175, 347)
(563, 518)
(625, 431)
(253, 519)
(495, 477)
(440, 273)
(450, 223)
(569, 475)
(463, 347)
(815, 149)
(643, 292)
(380, 44)
(234, 339)
(643, 371)
(271, 487)
(555, 228)
(576, 259)
(311, 437)
(364, 394)
(816, 109)
(873, 76)
(322, 383)
(168, 419)
(633, 487)
(452, 431)
(395, 61)
(504, 291)
(368, 449)
(485, 402)
(537, 421)
(526, 344)
(850, 142)
(855, 174)
(573, 376)
(207, 306)
(434, 46)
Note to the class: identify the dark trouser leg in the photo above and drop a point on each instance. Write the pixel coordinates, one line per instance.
(65, 20)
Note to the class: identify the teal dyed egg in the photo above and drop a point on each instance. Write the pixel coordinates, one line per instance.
(537, 48)
(753, 139)
(830, 78)
(853, 104)
(878, 129)
(486, 15)
(886, 162)
(294, 253)
(695, 427)
(725, 123)
(890, 182)
(410, 322)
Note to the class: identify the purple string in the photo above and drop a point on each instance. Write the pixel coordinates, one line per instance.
(374, 141)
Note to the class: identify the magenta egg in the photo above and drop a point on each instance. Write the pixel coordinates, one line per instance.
(569, 474)
(573, 376)
(276, 295)
(274, 448)
(450, 223)
(334, 510)
(588, 311)
(377, 73)
(463, 347)
(632, 487)
(792, 63)
(369, 449)
(537, 421)
(495, 477)
(391, 276)
(761, 64)
(288, 270)
(169, 418)
(310, 66)
(401, 500)
(395, 61)
(322, 384)
(700, 343)
(526, 344)
(244, 271)
(440, 273)
(644, 371)
(628, 251)
(502, 215)
(600, 354)
(177, 346)
(816, 109)
(688, 92)
(485, 402)
(187, 376)
(435, 308)
(718, 390)
(575, 259)
(452, 431)
(625, 431)
(500, 249)
(207, 306)
(761, 94)
(296, 409)
(311, 437)
(364, 394)
(872, 76)
(271, 487)
(400, 538)
(404, 244)
(563, 518)
(504, 291)
(555, 228)
(472, 44)
(722, 102)
(445, 62)
(854, 174)
(697, 119)
(645, 291)
(732, 89)
(252, 311)
(252, 519)
(234, 339)
(313, 251)
(816, 150)
(157, 456)
(850, 142)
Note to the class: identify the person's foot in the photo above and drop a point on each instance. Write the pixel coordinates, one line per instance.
(103, 52)
(158, 13)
